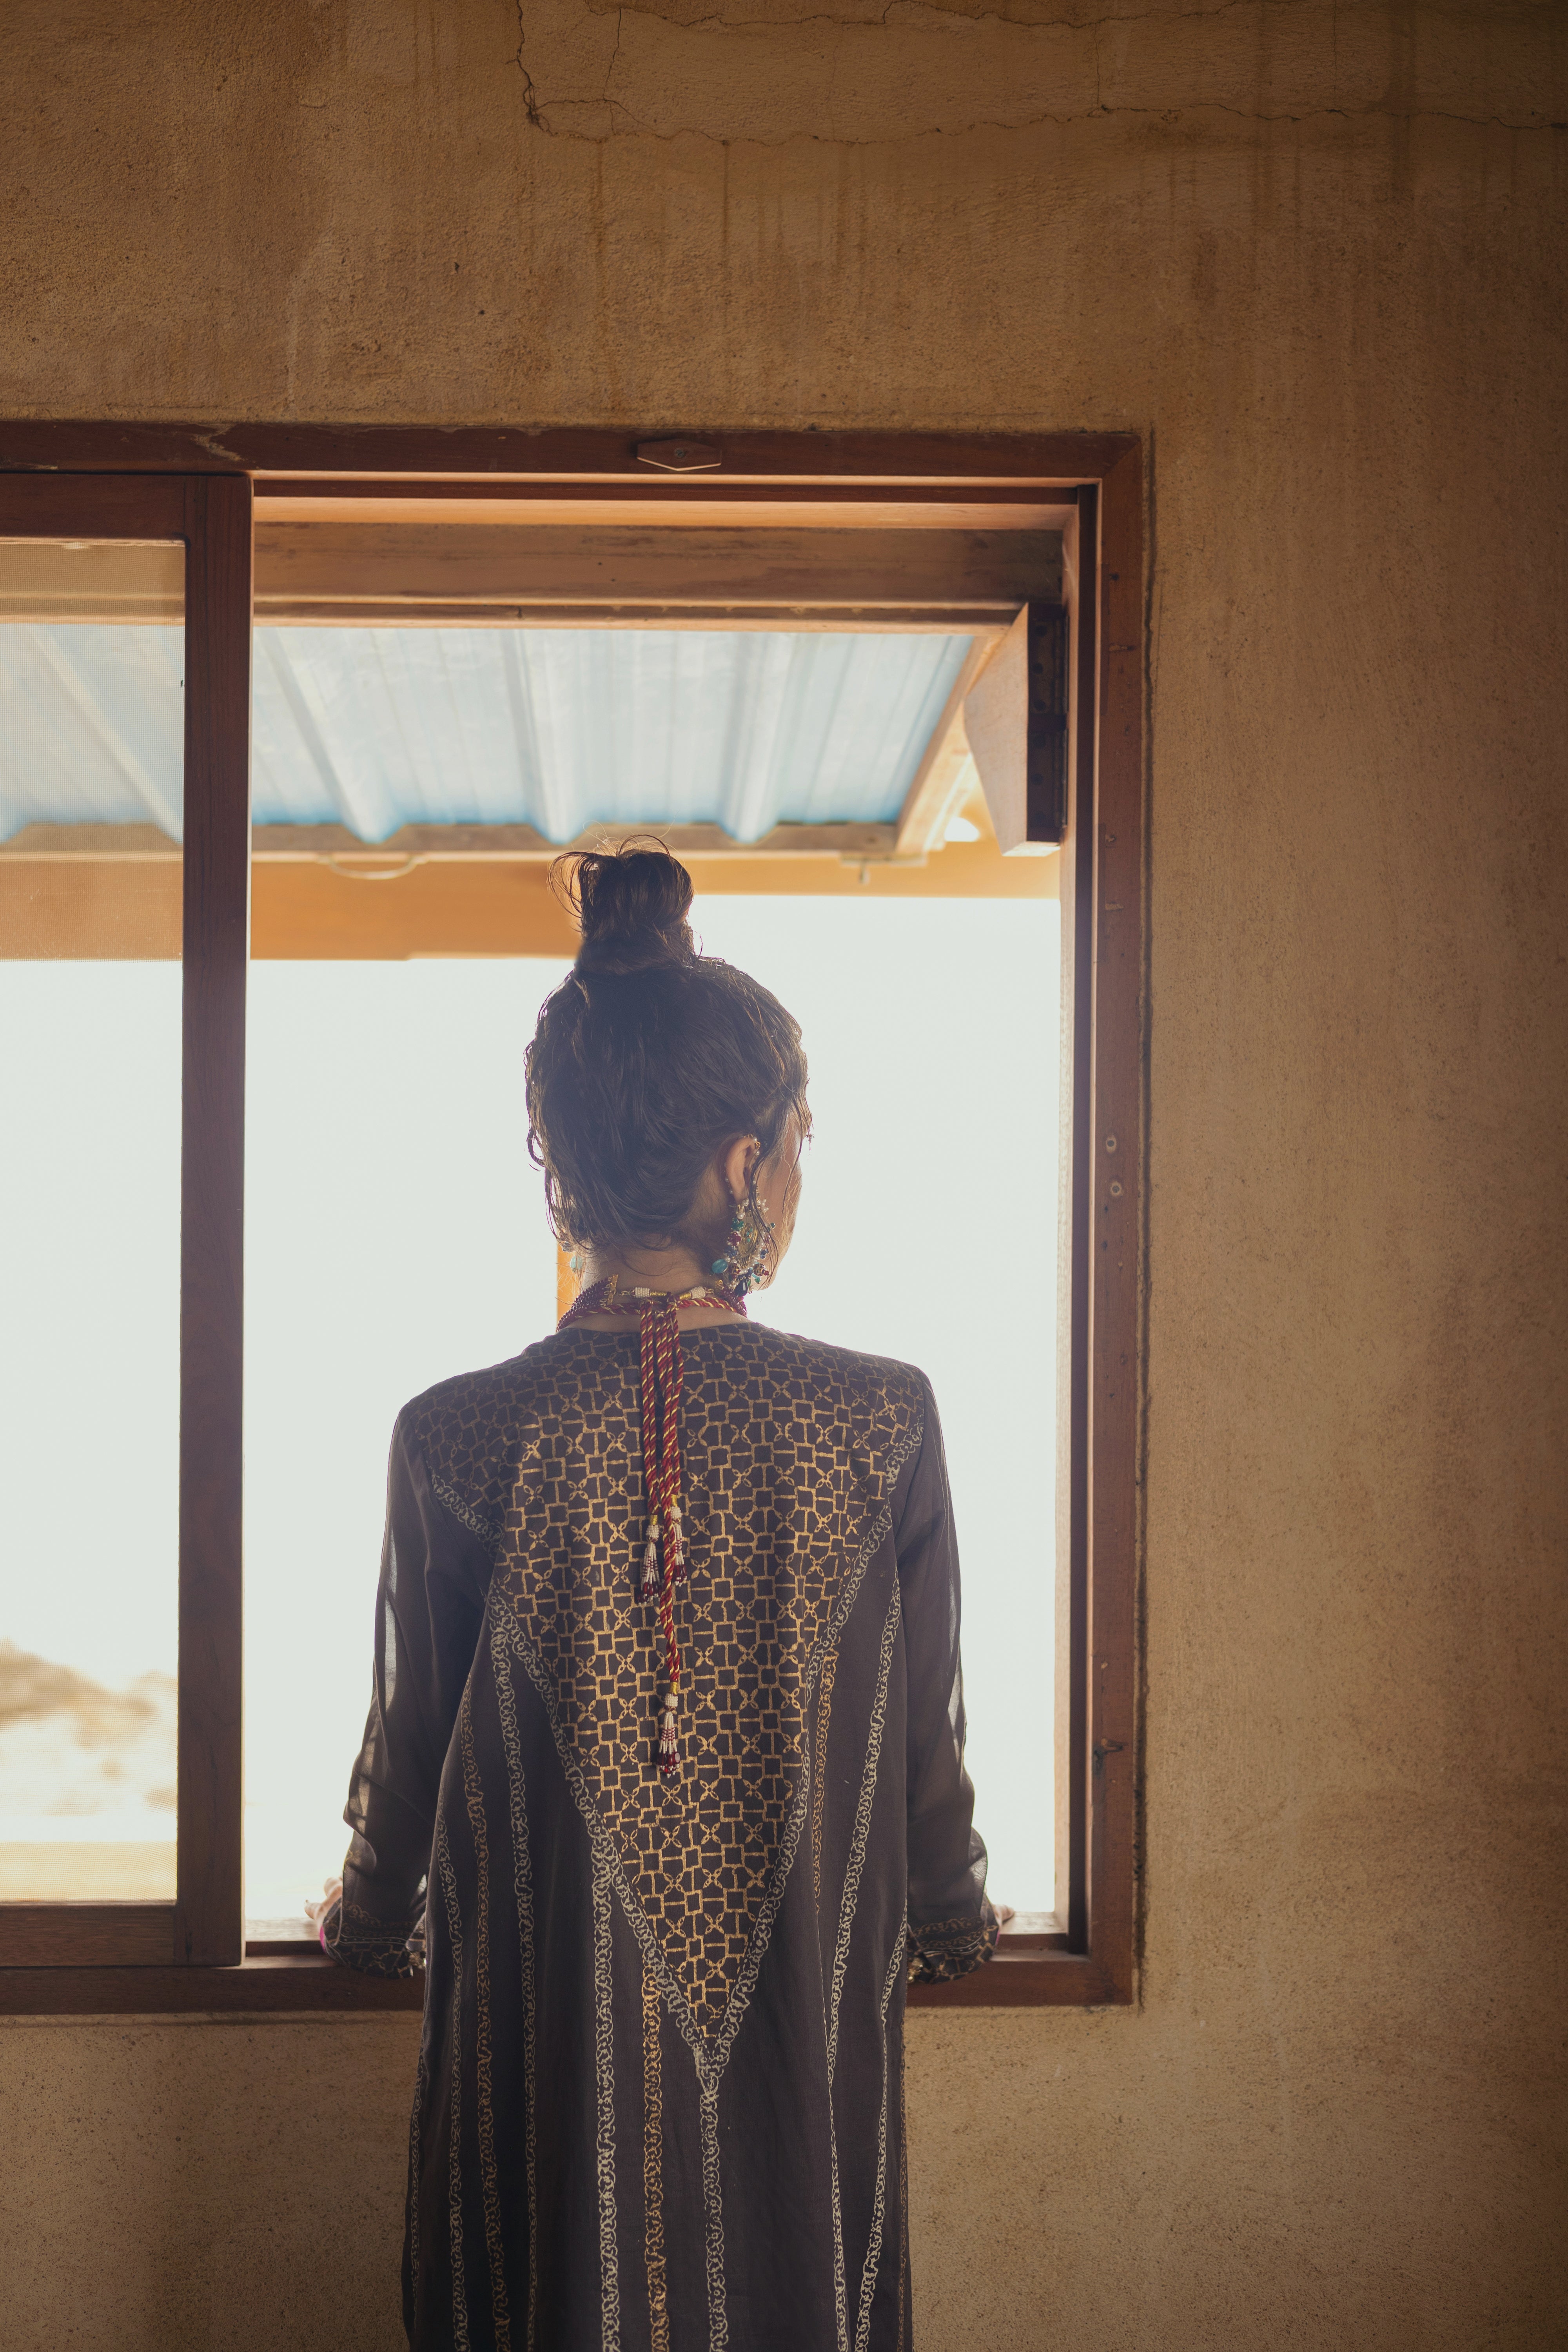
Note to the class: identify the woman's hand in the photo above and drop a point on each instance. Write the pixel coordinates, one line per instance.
(317, 1912)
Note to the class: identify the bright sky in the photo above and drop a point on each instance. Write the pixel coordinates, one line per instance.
(395, 1235)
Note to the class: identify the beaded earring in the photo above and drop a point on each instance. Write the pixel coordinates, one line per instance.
(748, 1248)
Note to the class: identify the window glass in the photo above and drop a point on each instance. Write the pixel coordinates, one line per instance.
(92, 765)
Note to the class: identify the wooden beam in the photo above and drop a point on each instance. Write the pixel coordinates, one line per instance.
(311, 912)
(703, 505)
(487, 844)
(310, 570)
(902, 620)
(938, 779)
(90, 906)
(1016, 719)
(996, 727)
(96, 581)
(314, 913)
(72, 845)
(77, 847)
(389, 902)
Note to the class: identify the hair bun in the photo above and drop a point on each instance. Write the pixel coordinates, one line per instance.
(632, 905)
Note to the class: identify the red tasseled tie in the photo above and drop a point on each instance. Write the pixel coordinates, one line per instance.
(664, 1554)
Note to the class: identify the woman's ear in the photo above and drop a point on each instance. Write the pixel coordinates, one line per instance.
(736, 1166)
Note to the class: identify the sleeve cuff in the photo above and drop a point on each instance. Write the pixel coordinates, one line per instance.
(355, 1938)
(951, 1947)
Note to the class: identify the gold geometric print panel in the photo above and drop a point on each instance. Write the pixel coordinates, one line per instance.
(787, 1452)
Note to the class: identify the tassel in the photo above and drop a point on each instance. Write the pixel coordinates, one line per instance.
(668, 1754)
(659, 1369)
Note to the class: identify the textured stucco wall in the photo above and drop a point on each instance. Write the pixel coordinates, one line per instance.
(1317, 253)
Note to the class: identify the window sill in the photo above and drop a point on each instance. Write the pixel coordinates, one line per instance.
(288, 1978)
(264, 1984)
(1027, 1972)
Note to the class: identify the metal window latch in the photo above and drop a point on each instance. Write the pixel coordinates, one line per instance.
(678, 457)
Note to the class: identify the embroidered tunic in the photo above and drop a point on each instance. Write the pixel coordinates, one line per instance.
(659, 2104)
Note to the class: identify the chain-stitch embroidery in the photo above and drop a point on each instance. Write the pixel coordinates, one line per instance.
(653, 2166)
(824, 1716)
(878, 2205)
(517, 1794)
(484, 2089)
(841, 1952)
(454, 2130)
(604, 2137)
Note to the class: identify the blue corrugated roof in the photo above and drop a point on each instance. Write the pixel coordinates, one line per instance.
(91, 725)
(561, 729)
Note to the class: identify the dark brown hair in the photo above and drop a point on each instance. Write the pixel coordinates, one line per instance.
(648, 1057)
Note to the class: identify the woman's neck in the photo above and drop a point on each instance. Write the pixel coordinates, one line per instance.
(671, 1270)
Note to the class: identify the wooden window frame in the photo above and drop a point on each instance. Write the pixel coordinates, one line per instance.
(196, 483)
(211, 514)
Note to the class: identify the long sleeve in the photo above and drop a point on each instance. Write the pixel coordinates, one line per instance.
(953, 1928)
(429, 1604)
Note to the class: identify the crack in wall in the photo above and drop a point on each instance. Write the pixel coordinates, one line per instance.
(626, 123)
(529, 95)
(719, 22)
(1172, 115)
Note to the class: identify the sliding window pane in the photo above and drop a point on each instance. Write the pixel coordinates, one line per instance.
(91, 769)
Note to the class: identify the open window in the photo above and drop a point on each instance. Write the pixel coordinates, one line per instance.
(868, 713)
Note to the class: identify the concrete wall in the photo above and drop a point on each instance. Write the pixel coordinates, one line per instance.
(1316, 253)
